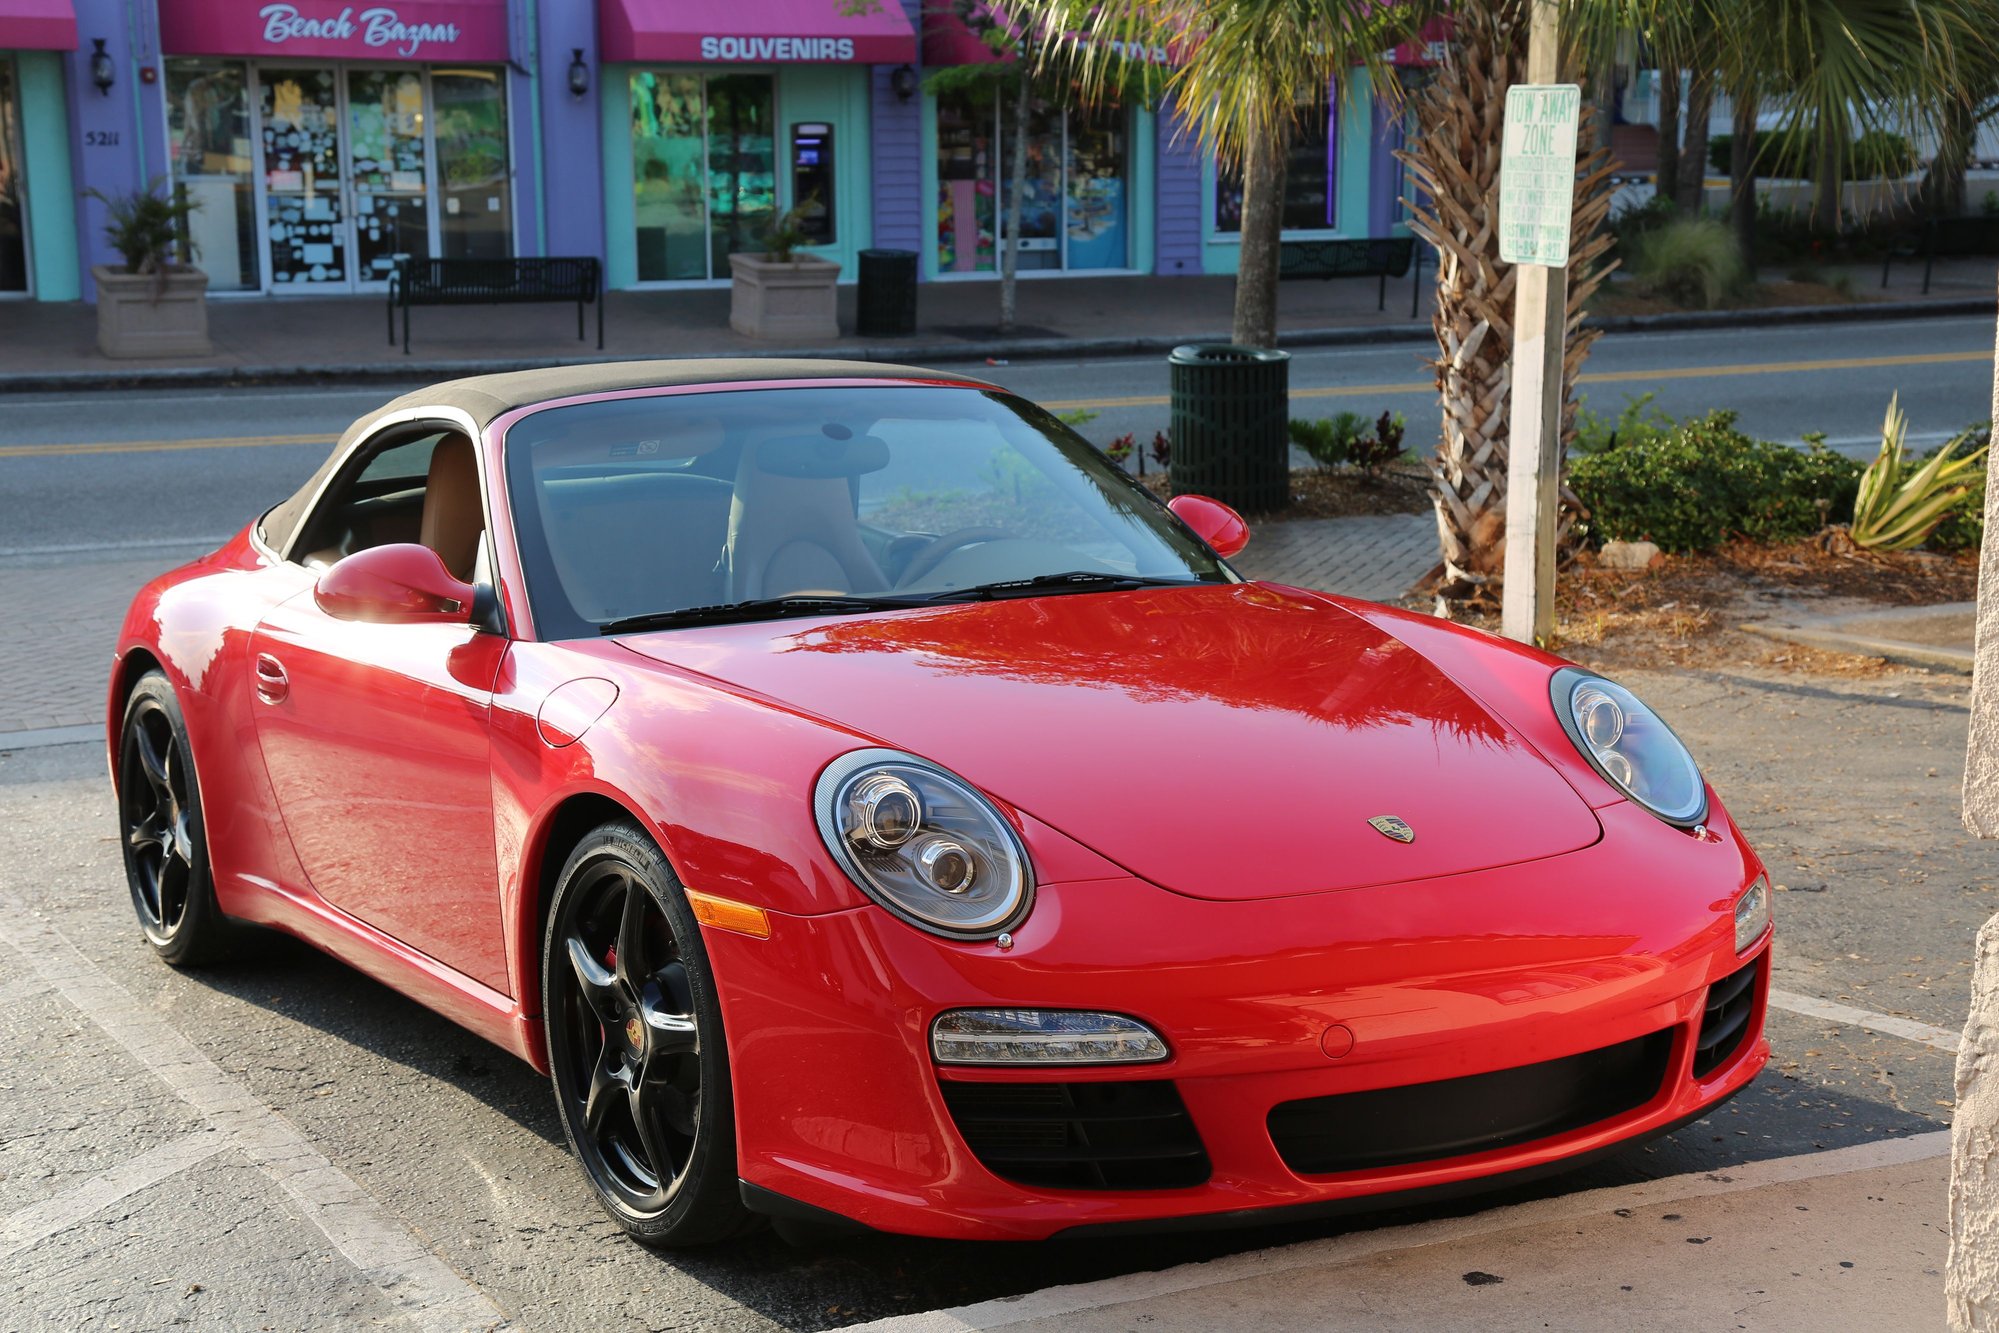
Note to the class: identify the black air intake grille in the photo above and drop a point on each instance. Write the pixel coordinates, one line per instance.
(1725, 1022)
(1080, 1136)
(1423, 1122)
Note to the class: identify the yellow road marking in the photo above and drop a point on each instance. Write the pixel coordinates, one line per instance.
(1103, 404)
(1591, 377)
(157, 446)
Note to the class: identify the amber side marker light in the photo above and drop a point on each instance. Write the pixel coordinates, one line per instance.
(727, 914)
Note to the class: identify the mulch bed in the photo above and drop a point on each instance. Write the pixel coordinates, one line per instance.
(1686, 611)
(1401, 488)
(1619, 297)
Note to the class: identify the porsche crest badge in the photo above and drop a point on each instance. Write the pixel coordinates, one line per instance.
(1389, 826)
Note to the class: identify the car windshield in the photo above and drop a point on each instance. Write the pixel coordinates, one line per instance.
(754, 503)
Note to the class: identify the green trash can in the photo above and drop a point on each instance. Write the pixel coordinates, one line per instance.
(885, 305)
(1231, 413)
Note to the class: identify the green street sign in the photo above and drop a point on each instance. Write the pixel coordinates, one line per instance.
(1537, 173)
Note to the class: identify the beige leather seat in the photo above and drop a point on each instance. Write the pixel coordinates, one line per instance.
(791, 522)
(454, 516)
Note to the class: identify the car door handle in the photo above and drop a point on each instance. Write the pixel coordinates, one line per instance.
(272, 683)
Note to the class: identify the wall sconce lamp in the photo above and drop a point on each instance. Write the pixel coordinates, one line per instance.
(579, 73)
(903, 83)
(102, 73)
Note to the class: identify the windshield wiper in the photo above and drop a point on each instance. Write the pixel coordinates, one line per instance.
(1075, 580)
(756, 608)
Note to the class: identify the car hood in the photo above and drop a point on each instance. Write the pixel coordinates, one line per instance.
(1221, 741)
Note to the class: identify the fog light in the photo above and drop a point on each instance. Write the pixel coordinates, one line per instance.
(1752, 914)
(1042, 1037)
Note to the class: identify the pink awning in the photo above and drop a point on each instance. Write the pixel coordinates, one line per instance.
(37, 25)
(426, 30)
(753, 32)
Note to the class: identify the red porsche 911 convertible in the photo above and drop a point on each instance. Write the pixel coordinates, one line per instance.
(871, 807)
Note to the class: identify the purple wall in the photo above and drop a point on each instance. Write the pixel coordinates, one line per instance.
(1177, 238)
(896, 158)
(1384, 180)
(571, 143)
(110, 149)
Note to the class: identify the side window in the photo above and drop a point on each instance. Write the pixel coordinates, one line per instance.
(380, 504)
(408, 462)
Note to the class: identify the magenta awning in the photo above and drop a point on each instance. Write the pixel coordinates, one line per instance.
(37, 25)
(752, 32)
(426, 30)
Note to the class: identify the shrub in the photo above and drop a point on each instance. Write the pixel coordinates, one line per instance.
(1630, 226)
(1371, 453)
(1875, 155)
(1638, 423)
(147, 227)
(1692, 262)
(1706, 483)
(1898, 507)
(1162, 449)
(1963, 528)
(1329, 440)
(1119, 450)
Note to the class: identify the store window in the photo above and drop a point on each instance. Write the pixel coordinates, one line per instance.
(1311, 179)
(320, 175)
(1074, 206)
(704, 170)
(13, 195)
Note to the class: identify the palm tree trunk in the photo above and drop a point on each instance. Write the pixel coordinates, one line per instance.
(1263, 168)
(1667, 176)
(1829, 176)
(1942, 192)
(1692, 194)
(1010, 234)
(1742, 178)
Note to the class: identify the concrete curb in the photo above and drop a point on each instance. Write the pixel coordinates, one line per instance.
(939, 353)
(1833, 633)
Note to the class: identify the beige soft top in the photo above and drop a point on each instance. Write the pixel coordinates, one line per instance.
(486, 397)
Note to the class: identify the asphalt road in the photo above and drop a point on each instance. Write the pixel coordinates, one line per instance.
(104, 469)
(168, 1141)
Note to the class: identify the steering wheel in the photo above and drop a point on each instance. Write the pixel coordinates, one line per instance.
(933, 555)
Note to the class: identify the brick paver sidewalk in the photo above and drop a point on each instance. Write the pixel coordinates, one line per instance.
(62, 618)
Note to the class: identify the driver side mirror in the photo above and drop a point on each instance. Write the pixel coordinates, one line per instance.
(1221, 527)
(399, 584)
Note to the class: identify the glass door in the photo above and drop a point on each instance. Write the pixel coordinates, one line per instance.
(390, 174)
(704, 170)
(469, 128)
(306, 239)
(13, 201)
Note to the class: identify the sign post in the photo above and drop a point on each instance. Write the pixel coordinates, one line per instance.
(1537, 186)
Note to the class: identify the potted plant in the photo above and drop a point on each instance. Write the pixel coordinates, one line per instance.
(782, 293)
(156, 305)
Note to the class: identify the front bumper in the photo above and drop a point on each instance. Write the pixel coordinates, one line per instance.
(840, 1108)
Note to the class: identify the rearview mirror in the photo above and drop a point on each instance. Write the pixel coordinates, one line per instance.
(400, 584)
(1221, 527)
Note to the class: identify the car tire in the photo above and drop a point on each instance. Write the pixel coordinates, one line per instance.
(636, 1051)
(161, 832)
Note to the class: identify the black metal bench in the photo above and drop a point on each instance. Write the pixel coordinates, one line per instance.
(1948, 237)
(1381, 257)
(533, 278)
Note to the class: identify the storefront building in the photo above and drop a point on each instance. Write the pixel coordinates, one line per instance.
(321, 138)
(37, 233)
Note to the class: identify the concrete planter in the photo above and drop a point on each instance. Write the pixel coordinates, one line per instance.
(793, 300)
(138, 316)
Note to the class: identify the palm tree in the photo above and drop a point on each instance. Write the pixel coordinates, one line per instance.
(1243, 72)
(1455, 165)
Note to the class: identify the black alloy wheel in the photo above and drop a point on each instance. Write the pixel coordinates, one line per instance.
(635, 1044)
(163, 839)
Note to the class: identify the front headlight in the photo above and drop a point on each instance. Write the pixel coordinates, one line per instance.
(924, 844)
(1629, 744)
